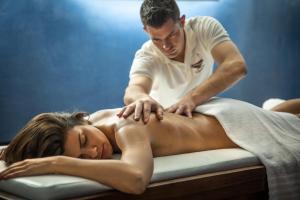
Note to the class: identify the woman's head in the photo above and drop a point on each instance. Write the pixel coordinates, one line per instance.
(42, 136)
(88, 142)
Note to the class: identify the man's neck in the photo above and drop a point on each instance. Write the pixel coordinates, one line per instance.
(181, 56)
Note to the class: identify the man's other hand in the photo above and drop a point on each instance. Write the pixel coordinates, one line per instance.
(184, 107)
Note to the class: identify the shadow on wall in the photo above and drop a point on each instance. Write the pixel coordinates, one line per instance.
(268, 34)
(66, 55)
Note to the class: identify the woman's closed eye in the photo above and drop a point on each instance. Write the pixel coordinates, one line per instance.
(83, 140)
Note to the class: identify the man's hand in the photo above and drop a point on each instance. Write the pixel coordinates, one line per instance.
(142, 109)
(184, 107)
(29, 167)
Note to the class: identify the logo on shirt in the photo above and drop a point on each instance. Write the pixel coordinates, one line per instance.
(198, 66)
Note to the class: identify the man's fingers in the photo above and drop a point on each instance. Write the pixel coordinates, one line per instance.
(188, 113)
(120, 114)
(142, 109)
(138, 110)
(159, 113)
(146, 111)
(129, 110)
(179, 110)
(172, 109)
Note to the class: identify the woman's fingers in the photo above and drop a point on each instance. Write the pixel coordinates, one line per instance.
(16, 173)
(14, 169)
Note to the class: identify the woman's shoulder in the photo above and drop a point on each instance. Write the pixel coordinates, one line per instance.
(102, 114)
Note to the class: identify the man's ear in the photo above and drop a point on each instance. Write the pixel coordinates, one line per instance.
(145, 29)
(182, 20)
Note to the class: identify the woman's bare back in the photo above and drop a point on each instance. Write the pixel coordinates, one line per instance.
(174, 134)
(179, 134)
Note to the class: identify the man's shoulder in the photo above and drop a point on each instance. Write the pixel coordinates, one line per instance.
(198, 21)
(148, 49)
(198, 18)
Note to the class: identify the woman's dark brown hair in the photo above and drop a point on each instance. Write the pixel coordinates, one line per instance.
(42, 136)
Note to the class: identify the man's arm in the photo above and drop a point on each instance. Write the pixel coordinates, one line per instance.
(138, 101)
(138, 87)
(231, 68)
(131, 174)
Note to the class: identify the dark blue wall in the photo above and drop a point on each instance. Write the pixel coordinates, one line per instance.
(76, 54)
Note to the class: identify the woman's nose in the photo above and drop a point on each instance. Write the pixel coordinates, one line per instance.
(91, 152)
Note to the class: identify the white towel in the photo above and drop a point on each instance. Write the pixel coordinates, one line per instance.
(272, 136)
(271, 103)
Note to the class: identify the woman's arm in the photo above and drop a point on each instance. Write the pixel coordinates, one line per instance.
(289, 106)
(131, 174)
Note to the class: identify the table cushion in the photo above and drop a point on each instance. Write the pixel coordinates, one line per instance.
(165, 168)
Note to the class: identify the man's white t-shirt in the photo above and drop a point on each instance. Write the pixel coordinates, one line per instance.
(172, 79)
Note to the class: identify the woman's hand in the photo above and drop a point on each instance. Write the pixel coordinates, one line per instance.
(29, 167)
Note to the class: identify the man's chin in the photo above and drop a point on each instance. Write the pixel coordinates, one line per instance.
(171, 56)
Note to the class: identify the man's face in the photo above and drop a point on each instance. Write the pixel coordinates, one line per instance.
(169, 38)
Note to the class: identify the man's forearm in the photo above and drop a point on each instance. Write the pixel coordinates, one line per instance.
(114, 173)
(133, 93)
(225, 76)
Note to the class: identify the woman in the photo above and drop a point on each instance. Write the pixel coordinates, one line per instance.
(54, 142)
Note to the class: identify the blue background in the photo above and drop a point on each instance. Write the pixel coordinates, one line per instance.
(71, 55)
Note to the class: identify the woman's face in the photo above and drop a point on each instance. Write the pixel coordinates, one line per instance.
(86, 141)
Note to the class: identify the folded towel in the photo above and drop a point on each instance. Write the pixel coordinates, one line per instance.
(273, 137)
(271, 103)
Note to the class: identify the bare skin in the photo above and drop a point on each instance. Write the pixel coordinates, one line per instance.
(291, 106)
(176, 134)
(137, 142)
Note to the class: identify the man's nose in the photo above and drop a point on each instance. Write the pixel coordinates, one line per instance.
(91, 152)
(166, 45)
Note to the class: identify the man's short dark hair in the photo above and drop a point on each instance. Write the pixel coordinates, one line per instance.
(155, 13)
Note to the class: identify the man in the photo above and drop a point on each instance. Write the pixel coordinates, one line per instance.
(173, 70)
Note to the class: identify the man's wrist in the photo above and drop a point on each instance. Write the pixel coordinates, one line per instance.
(196, 98)
(199, 96)
(143, 96)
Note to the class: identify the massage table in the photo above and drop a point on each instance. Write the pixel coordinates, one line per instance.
(214, 174)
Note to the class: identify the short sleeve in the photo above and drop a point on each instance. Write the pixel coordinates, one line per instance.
(212, 32)
(143, 64)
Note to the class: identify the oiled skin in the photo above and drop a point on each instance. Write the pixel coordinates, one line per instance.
(173, 135)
